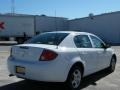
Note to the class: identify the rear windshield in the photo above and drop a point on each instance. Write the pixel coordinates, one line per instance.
(48, 38)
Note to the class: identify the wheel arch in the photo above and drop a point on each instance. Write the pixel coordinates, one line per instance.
(80, 64)
(114, 56)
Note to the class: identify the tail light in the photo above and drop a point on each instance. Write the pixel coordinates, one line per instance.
(48, 55)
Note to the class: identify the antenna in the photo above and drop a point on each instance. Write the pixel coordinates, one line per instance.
(13, 7)
(56, 28)
(55, 21)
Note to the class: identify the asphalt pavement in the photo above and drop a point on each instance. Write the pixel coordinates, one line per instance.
(99, 81)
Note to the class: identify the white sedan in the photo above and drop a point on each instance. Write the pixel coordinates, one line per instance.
(61, 56)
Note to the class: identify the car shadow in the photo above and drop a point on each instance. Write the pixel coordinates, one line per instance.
(92, 79)
(25, 85)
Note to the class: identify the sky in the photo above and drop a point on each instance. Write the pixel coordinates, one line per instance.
(64, 8)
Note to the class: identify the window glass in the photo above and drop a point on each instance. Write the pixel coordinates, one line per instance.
(97, 42)
(48, 38)
(82, 41)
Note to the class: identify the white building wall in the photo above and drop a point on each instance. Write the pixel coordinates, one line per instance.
(106, 26)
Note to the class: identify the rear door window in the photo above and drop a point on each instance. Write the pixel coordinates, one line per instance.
(82, 41)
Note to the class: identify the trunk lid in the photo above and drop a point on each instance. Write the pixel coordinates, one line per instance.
(29, 52)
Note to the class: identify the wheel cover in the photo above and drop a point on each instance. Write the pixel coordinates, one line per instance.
(76, 78)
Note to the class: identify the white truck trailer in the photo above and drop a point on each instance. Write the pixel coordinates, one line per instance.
(22, 27)
(16, 27)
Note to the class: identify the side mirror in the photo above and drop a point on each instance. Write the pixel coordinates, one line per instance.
(105, 46)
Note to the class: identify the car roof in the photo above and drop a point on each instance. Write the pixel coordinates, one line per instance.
(71, 32)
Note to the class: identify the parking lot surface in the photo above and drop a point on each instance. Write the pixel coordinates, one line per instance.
(99, 81)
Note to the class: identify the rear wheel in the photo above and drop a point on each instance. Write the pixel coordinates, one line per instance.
(112, 65)
(74, 78)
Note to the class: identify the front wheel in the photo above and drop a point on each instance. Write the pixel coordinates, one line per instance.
(112, 65)
(74, 78)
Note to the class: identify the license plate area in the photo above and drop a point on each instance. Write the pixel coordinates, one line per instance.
(20, 70)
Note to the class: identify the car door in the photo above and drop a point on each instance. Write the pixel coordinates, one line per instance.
(86, 53)
(102, 53)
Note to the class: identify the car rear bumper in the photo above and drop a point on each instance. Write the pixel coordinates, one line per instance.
(39, 71)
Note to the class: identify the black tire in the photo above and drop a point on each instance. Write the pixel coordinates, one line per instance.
(20, 40)
(112, 65)
(73, 82)
(29, 81)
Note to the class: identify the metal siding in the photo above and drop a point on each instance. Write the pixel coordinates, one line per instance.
(105, 26)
